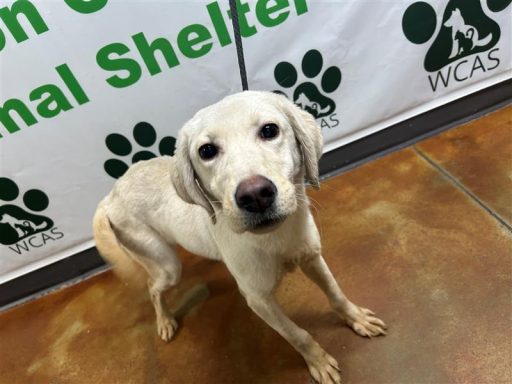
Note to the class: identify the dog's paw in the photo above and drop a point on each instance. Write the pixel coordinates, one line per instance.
(167, 327)
(364, 322)
(323, 367)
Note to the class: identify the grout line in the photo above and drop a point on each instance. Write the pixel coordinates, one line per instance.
(461, 187)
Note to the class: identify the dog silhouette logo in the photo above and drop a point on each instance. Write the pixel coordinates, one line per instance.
(465, 37)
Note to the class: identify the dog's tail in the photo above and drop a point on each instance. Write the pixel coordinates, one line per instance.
(112, 250)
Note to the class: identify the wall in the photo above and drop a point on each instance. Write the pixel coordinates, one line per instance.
(89, 87)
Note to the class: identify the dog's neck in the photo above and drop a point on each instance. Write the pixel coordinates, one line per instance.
(300, 189)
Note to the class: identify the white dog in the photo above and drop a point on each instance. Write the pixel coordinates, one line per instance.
(234, 191)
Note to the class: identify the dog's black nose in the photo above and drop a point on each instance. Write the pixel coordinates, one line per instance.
(255, 194)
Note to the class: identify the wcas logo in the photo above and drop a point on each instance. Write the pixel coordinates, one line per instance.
(311, 89)
(465, 40)
(21, 228)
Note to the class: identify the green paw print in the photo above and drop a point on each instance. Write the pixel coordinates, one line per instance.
(465, 29)
(307, 95)
(144, 135)
(16, 223)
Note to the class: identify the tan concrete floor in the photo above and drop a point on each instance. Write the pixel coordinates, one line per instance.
(422, 236)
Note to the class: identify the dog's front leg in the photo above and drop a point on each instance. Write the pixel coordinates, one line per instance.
(362, 320)
(322, 366)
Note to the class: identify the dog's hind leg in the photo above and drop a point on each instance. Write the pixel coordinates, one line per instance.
(161, 278)
(163, 266)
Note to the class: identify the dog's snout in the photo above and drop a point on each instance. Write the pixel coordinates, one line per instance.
(255, 194)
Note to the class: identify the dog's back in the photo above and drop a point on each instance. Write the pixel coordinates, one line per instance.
(129, 209)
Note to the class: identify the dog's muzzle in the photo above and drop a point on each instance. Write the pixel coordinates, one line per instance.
(255, 196)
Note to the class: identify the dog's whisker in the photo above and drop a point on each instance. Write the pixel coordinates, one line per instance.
(315, 201)
(330, 187)
(309, 200)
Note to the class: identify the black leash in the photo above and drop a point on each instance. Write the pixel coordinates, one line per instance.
(238, 43)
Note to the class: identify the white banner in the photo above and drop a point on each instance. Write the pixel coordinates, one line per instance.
(88, 87)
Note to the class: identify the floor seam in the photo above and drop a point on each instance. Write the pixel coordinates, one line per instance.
(452, 179)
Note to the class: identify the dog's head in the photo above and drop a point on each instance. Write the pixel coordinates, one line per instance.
(455, 17)
(246, 158)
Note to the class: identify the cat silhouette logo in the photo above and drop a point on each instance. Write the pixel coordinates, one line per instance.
(18, 223)
(465, 30)
(465, 37)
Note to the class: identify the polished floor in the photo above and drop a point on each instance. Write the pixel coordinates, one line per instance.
(422, 236)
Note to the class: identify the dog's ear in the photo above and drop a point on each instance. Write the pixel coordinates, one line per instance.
(185, 179)
(308, 135)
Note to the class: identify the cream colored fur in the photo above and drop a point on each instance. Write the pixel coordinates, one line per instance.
(188, 201)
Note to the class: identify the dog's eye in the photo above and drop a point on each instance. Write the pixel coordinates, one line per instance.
(208, 151)
(269, 131)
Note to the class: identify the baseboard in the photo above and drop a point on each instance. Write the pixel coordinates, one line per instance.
(46, 279)
(398, 136)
